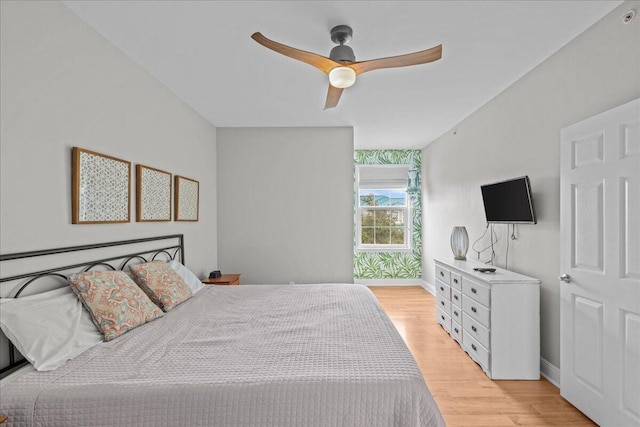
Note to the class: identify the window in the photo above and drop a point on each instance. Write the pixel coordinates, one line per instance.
(383, 216)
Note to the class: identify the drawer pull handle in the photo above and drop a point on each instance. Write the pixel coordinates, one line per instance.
(455, 297)
(474, 309)
(442, 302)
(455, 329)
(473, 346)
(474, 290)
(441, 288)
(442, 317)
(455, 280)
(456, 313)
(442, 274)
(473, 328)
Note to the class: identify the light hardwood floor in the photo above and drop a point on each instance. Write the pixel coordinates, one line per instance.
(465, 395)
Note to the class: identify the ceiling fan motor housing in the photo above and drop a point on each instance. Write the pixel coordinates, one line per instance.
(342, 53)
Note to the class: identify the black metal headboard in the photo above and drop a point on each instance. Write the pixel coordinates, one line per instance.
(169, 247)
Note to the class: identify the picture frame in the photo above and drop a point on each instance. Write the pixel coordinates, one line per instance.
(187, 199)
(101, 188)
(153, 194)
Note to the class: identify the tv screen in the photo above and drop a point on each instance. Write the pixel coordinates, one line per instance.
(509, 202)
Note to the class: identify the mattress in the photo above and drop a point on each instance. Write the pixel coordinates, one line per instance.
(267, 355)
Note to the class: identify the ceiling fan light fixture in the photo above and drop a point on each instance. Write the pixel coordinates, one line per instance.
(342, 77)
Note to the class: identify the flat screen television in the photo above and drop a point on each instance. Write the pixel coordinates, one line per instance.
(509, 202)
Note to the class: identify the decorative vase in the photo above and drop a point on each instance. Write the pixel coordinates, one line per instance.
(459, 242)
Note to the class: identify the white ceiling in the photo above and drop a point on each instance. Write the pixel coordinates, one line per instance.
(202, 52)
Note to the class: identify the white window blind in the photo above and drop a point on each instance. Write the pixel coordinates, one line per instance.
(382, 176)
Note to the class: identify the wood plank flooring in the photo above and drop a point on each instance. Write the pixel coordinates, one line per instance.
(465, 395)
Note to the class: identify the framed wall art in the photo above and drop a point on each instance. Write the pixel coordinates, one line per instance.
(153, 194)
(101, 188)
(187, 199)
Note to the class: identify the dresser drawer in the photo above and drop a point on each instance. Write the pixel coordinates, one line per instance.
(456, 313)
(476, 350)
(478, 311)
(476, 291)
(456, 281)
(456, 331)
(443, 274)
(456, 297)
(476, 330)
(443, 304)
(443, 289)
(444, 319)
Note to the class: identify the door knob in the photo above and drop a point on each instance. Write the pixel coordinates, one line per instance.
(565, 278)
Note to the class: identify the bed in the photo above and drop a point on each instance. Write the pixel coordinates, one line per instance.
(261, 355)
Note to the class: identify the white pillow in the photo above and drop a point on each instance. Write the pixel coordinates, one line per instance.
(48, 328)
(192, 280)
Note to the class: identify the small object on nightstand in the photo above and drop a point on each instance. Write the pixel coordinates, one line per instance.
(224, 279)
(215, 274)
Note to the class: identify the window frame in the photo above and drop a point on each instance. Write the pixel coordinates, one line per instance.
(408, 221)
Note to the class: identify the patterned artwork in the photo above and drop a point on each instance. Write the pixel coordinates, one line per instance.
(101, 188)
(187, 199)
(390, 265)
(153, 196)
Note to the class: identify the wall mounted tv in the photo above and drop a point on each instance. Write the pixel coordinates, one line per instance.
(509, 202)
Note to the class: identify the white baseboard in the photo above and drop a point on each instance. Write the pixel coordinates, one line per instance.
(429, 287)
(550, 372)
(388, 282)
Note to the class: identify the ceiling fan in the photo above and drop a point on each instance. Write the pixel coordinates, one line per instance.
(341, 65)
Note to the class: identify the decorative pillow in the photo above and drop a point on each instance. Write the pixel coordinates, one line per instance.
(48, 328)
(114, 301)
(189, 278)
(161, 283)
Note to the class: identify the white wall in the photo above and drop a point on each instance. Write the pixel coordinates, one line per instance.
(518, 133)
(285, 200)
(63, 85)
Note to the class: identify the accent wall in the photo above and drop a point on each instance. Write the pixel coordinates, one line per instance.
(397, 264)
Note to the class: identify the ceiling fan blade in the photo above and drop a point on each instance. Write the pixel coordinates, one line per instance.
(333, 96)
(421, 57)
(322, 63)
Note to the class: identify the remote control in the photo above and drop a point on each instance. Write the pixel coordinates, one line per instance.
(485, 270)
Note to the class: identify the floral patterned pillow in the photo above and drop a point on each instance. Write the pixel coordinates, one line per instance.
(161, 283)
(114, 301)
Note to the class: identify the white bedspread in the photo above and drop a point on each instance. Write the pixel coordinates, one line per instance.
(269, 356)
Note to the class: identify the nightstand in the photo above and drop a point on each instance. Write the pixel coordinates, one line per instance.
(225, 279)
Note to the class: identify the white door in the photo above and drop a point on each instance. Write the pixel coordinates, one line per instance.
(600, 266)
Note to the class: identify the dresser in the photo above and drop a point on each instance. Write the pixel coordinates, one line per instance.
(495, 317)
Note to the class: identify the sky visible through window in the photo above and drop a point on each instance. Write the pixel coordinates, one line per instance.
(383, 198)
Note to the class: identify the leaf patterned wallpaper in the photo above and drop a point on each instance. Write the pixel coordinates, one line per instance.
(390, 265)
